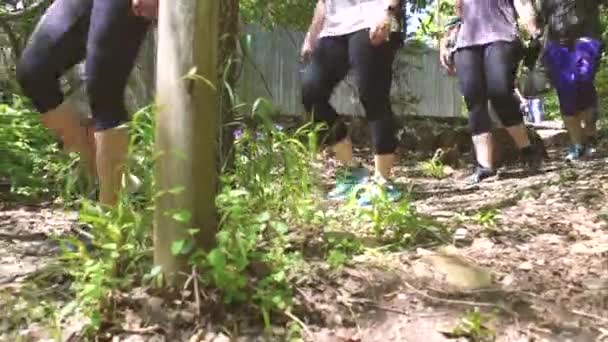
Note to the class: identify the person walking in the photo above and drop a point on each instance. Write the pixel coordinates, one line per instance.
(485, 59)
(571, 56)
(106, 34)
(362, 37)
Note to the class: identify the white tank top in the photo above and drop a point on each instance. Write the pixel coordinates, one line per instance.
(348, 16)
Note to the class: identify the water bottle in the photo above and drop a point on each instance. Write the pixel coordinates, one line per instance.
(536, 110)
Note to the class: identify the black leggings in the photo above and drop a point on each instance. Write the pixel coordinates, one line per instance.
(372, 66)
(488, 73)
(104, 33)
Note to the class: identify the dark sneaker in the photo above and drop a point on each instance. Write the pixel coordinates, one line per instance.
(481, 173)
(532, 157)
(376, 187)
(576, 152)
(346, 182)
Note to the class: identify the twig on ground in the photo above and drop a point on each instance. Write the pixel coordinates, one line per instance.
(458, 302)
(304, 294)
(193, 277)
(10, 279)
(153, 329)
(403, 312)
(484, 291)
(299, 321)
(21, 237)
(592, 316)
(197, 295)
(540, 330)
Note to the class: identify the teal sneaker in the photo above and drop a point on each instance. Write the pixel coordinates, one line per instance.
(375, 188)
(575, 153)
(346, 182)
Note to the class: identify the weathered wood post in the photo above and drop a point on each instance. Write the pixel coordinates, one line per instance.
(187, 125)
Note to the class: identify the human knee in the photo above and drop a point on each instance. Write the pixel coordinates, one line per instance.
(376, 102)
(567, 103)
(38, 83)
(505, 104)
(383, 135)
(313, 90)
(479, 119)
(337, 132)
(107, 105)
(501, 89)
(586, 97)
(26, 72)
(508, 111)
(315, 98)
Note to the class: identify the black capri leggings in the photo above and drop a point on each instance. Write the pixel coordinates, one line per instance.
(488, 73)
(372, 66)
(104, 33)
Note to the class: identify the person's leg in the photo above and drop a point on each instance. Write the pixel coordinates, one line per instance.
(372, 67)
(587, 57)
(500, 63)
(561, 68)
(115, 35)
(472, 83)
(328, 66)
(57, 44)
(587, 95)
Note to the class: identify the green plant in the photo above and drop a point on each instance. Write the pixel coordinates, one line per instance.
(115, 254)
(30, 159)
(267, 190)
(114, 259)
(294, 332)
(434, 167)
(397, 223)
(486, 217)
(473, 327)
(567, 175)
(341, 250)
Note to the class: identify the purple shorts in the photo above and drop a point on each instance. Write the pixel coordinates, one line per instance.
(572, 69)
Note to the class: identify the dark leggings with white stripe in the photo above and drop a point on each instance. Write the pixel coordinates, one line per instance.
(372, 67)
(105, 34)
(487, 72)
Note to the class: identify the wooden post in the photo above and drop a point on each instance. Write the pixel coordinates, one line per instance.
(187, 125)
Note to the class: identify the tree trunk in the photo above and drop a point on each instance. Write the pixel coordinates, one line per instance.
(228, 67)
(187, 126)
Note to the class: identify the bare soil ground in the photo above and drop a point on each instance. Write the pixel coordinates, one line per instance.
(542, 240)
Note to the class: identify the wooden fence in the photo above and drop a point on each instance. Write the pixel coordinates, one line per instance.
(272, 70)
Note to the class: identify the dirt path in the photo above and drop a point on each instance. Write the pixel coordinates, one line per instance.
(543, 239)
(25, 246)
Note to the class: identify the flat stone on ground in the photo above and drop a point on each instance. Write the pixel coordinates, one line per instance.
(452, 272)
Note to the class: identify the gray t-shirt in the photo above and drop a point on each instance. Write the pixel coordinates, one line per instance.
(348, 16)
(487, 21)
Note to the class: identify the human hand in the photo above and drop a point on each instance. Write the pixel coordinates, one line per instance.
(306, 50)
(145, 8)
(445, 59)
(380, 28)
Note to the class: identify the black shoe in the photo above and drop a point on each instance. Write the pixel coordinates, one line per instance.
(481, 173)
(532, 156)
